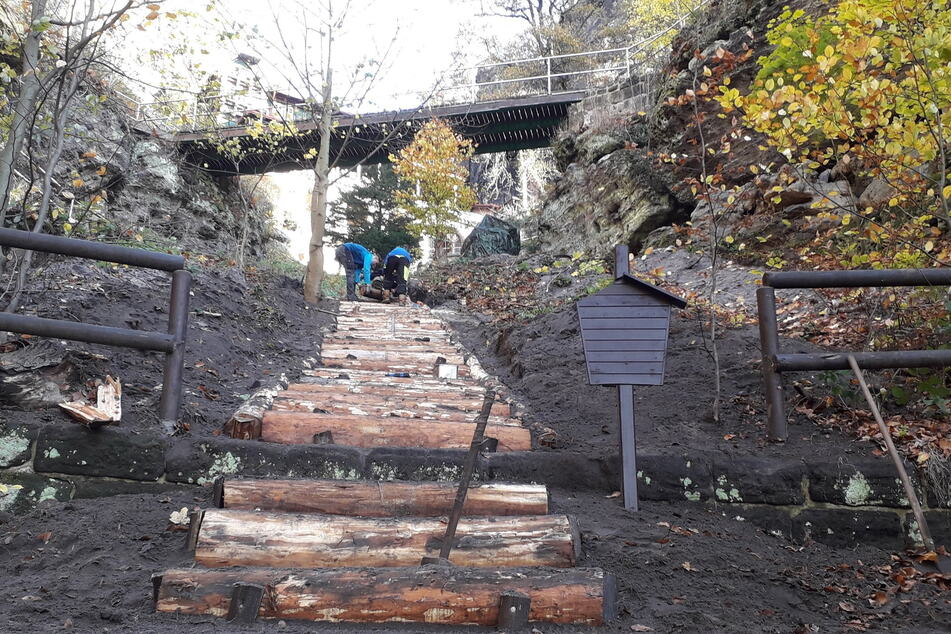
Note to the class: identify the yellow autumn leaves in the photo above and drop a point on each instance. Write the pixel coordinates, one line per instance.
(433, 171)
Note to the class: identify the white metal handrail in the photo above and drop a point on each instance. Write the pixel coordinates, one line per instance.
(193, 110)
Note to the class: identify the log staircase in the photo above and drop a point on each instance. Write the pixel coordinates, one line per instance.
(343, 550)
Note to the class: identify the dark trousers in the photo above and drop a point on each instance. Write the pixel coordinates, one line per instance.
(345, 258)
(396, 274)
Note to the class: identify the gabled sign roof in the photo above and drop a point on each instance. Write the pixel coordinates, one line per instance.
(670, 298)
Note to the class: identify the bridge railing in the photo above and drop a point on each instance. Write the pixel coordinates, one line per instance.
(531, 76)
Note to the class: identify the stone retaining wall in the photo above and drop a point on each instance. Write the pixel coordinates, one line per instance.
(617, 100)
(839, 501)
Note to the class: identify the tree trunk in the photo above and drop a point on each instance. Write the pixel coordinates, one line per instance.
(419, 594)
(298, 428)
(314, 275)
(23, 108)
(382, 499)
(246, 538)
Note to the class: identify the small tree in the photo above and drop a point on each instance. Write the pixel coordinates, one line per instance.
(369, 213)
(433, 171)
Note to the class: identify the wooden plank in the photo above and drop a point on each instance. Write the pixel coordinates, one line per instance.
(626, 379)
(624, 324)
(383, 499)
(452, 596)
(625, 334)
(366, 431)
(627, 367)
(598, 356)
(624, 289)
(620, 300)
(624, 345)
(622, 312)
(245, 538)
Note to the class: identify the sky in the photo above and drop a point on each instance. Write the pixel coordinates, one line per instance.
(417, 38)
(420, 35)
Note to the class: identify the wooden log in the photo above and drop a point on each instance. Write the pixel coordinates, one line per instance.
(409, 346)
(298, 428)
(429, 389)
(245, 423)
(394, 400)
(382, 499)
(451, 596)
(364, 378)
(393, 355)
(408, 409)
(396, 365)
(244, 538)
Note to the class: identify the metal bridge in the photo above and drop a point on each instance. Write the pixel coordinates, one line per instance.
(518, 123)
(505, 106)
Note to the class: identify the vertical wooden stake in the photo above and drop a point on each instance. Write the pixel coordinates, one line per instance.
(245, 603)
(625, 397)
(514, 608)
(194, 526)
(621, 263)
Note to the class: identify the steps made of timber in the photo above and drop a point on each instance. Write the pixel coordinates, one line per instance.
(427, 594)
(339, 550)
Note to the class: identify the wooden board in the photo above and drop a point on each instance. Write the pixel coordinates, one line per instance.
(622, 312)
(383, 499)
(366, 431)
(418, 595)
(244, 538)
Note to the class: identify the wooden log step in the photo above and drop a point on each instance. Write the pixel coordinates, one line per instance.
(450, 596)
(246, 538)
(356, 378)
(380, 321)
(407, 346)
(462, 401)
(382, 499)
(431, 391)
(424, 411)
(298, 428)
(422, 358)
(399, 335)
(426, 369)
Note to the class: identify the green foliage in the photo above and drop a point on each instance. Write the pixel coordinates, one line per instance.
(369, 213)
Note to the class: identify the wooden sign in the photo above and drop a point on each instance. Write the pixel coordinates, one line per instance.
(624, 330)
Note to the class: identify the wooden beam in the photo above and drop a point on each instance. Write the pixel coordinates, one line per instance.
(451, 596)
(382, 499)
(427, 358)
(366, 431)
(244, 538)
(394, 399)
(396, 365)
(407, 409)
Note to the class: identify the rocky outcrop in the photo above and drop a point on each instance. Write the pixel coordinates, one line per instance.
(617, 199)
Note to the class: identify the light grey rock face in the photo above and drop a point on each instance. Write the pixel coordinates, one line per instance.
(617, 200)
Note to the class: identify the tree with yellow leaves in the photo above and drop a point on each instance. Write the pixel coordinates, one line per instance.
(871, 81)
(433, 171)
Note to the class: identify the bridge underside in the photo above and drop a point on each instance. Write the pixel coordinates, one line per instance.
(497, 126)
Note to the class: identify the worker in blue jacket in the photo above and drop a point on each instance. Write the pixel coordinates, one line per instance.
(356, 260)
(396, 274)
